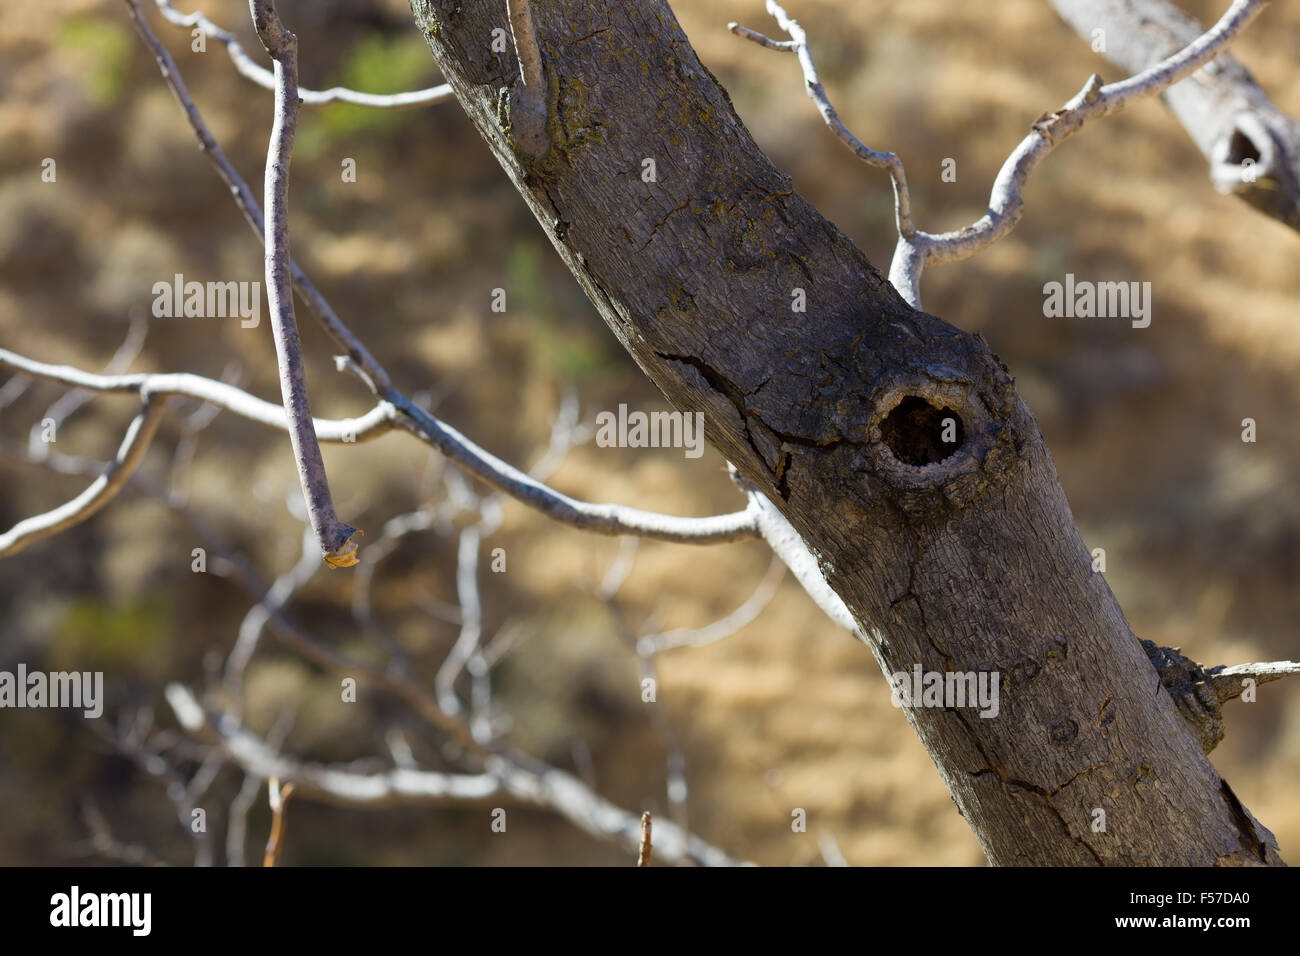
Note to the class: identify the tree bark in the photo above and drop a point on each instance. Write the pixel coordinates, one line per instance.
(970, 563)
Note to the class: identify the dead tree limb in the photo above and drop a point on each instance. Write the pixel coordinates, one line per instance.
(1252, 146)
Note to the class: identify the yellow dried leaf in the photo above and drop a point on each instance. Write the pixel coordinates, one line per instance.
(345, 555)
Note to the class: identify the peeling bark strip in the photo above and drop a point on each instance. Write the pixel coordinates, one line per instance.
(969, 563)
(1229, 117)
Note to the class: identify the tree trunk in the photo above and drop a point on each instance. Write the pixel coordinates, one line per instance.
(966, 564)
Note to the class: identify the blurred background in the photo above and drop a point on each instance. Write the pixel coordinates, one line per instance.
(1201, 531)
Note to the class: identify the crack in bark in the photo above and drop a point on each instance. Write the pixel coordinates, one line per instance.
(1082, 773)
(1008, 782)
(728, 390)
(655, 228)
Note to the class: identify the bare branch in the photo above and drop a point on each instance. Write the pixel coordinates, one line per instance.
(375, 377)
(104, 843)
(1006, 202)
(786, 543)
(471, 628)
(279, 796)
(650, 644)
(102, 490)
(606, 519)
(598, 518)
(785, 46)
(832, 855)
(1253, 148)
(334, 536)
(264, 78)
(798, 44)
(237, 820)
(132, 739)
(1199, 692)
(254, 622)
(534, 784)
(374, 423)
(678, 788)
(1228, 683)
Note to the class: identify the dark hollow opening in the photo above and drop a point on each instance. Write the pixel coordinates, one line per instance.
(1241, 147)
(920, 434)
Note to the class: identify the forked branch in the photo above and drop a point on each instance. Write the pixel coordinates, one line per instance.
(1006, 202)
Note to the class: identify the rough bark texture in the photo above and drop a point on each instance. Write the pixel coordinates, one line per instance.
(1223, 109)
(966, 564)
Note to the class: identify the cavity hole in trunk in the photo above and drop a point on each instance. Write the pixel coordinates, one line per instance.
(920, 434)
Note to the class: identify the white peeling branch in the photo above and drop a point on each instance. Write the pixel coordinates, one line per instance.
(647, 645)
(102, 490)
(798, 44)
(535, 784)
(468, 642)
(333, 536)
(1228, 682)
(786, 543)
(1006, 202)
(606, 519)
(599, 518)
(265, 78)
(254, 623)
(378, 421)
(1252, 146)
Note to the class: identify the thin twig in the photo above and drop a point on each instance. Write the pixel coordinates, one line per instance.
(264, 78)
(471, 616)
(105, 844)
(749, 611)
(643, 852)
(528, 782)
(606, 519)
(102, 490)
(916, 248)
(379, 420)
(237, 819)
(333, 536)
(373, 374)
(279, 797)
(798, 44)
(254, 622)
